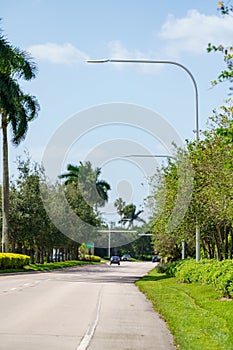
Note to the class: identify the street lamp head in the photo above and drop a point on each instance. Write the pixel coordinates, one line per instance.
(148, 156)
(104, 60)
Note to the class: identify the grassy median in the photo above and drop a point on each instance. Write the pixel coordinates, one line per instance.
(49, 266)
(196, 314)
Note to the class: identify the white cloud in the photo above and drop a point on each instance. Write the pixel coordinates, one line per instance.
(188, 34)
(59, 54)
(193, 32)
(118, 51)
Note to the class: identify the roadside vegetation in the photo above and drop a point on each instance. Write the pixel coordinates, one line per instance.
(196, 314)
(31, 231)
(207, 196)
(195, 298)
(217, 273)
(195, 186)
(10, 262)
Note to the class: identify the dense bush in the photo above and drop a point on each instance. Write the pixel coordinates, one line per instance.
(13, 261)
(169, 268)
(217, 273)
(93, 258)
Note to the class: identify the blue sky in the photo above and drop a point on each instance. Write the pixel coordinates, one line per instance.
(62, 35)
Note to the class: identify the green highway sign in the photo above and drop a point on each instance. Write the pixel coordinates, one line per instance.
(90, 245)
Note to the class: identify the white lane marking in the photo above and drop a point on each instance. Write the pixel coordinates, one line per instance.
(91, 330)
(21, 287)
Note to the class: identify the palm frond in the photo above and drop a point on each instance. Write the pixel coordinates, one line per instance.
(15, 62)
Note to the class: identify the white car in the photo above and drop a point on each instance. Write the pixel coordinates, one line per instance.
(126, 257)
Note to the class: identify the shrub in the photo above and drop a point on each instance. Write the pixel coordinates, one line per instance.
(208, 267)
(170, 268)
(187, 272)
(161, 268)
(13, 261)
(93, 258)
(217, 273)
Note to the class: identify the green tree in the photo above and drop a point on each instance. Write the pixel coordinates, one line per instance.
(227, 73)
(72, 175)
(224, 8)
(29, 225)
(16, 110)
(212, 197)
(167, 238)
(93, 189)
(130, 215)
(31, 230)
(120, 205)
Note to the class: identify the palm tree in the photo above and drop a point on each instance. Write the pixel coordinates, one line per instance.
(94, 190)
(102, 188)
(130, 215)
(72, 176)
(16, 110)
(120, 206)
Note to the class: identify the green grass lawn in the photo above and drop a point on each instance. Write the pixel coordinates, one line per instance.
(195, 314)
(49, 266)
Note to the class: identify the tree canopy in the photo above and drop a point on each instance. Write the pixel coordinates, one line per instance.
(212, 196)
(93, 189)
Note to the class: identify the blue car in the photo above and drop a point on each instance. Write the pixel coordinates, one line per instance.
(155, 258)
(115, 260)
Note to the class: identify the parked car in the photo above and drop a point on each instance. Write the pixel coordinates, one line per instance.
(155, 258)
(126, 257)
(115, 260)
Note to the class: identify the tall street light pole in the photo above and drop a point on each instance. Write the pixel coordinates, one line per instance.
(109, 231)
(196, 109)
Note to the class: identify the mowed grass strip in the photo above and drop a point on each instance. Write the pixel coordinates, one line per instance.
(56, 265)
(50, 266)
(196, 315)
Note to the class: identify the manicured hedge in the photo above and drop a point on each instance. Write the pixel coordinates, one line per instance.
(13, 261)
(93, 258)
(217, 273)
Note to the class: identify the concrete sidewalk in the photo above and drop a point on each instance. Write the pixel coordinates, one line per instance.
(127, 321)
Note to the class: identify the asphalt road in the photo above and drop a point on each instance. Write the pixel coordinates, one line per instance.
(93, 307)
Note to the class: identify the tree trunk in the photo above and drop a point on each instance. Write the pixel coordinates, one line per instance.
(77, 252)
(219, 244)
(19, 248)
(209, 250)
(57, 255)
(5, 188)
(37, 255)
(32, 256)
(41, 255)
(13, 245)
(226, 242)
(231, 244)
(62, 254)
(48, 256)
